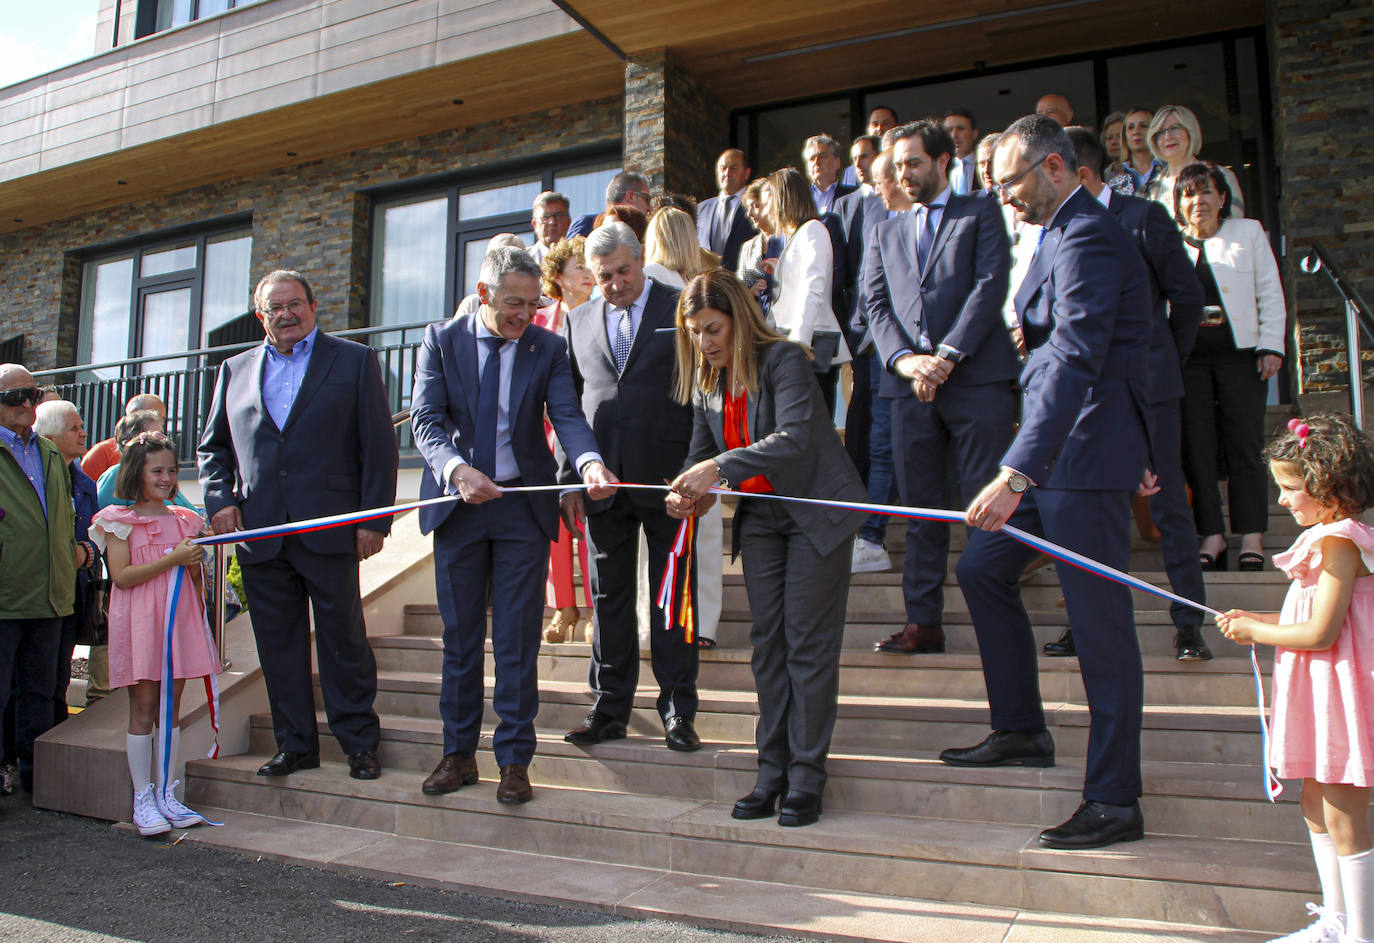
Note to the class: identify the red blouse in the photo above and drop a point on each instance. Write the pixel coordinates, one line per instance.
(737, 437)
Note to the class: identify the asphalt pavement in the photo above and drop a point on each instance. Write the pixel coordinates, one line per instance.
(64, 879)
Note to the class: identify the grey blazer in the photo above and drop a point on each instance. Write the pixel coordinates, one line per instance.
(794, 444)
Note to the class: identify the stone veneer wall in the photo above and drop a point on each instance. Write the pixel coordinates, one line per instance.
(674, 127)
(310, 217)
(1322, 61)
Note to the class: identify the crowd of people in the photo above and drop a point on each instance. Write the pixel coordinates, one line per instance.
(1039, 326)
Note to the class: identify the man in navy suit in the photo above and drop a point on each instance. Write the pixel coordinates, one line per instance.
(1081, 450)
(934, 284)
(622, 347)
(625, 187)
(299, 427)
(1177, 298)
(483, 385)
(722, 225)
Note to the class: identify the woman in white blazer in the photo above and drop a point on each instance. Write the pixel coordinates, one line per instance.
(1239, 347)
(804, 276)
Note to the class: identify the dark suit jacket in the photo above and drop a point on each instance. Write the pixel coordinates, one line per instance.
(741, 231)
(335, 453)
(1085, 311)
(443, 413)
(641, 431)
(858, 214)
(582, 225)
(794, 444)
(1175, 290)
(959, 297)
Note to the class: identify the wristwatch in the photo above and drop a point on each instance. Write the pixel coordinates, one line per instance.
(1017, 483)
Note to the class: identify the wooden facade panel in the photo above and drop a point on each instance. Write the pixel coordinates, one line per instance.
(77, 150)
(404, 48)
(262, 26)
(351, 20)
(159, 63)
(542, 19)
(256, 98)
(159, 126)
(83, 119)
(552, 26)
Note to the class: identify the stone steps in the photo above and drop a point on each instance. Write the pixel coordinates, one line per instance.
(1198, 799)
(1250, 884)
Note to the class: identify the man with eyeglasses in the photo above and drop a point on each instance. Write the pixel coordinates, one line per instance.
(37, 561)
(300, 428)
(550, 222)
(1077, 458)
(628, 188)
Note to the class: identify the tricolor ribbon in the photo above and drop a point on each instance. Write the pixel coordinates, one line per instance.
(680, 561)
(166, 715)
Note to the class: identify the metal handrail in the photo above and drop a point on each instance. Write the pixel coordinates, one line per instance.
(1357, 319)
(227, 348)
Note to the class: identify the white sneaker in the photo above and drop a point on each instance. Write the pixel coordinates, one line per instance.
(869, 558)
(1329, 928)
(173, 811)
(147, 819)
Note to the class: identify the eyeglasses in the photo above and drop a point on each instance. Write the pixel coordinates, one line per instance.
(295, 307)
(1177, 129)
(18, 397)
(1000, 189)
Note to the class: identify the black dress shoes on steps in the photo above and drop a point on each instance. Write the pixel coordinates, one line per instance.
(285, 763)
(364, 765)
(1061, 647)
(596, 728)
(1190, 646)
(680, 735)
(799, 808)
(1005, 748)
(1096, 825)
(757, 805)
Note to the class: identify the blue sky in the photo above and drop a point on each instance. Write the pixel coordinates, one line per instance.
(37, 36)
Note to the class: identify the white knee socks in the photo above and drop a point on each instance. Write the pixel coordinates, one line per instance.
(139, 749)
(1357, 886)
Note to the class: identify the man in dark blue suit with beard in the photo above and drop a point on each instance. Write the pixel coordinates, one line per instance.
(1081, 450)
(483, 385)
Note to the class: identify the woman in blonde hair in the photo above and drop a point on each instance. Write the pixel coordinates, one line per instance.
(1175, 137)
(671, 254)
(761, 427)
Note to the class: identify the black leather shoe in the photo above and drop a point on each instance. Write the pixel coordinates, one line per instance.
(1189, 645)
(364, 765)
(1096, 825)
(1061, 647)
(1005, 748)
(596, 728)
(453, 773)
(757, 805)
(285, 763)
(799, 808)
(681, 735)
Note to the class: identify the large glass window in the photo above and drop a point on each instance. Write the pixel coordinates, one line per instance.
(162, 298)
(156, 15)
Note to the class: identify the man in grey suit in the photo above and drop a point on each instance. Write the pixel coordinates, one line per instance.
(623, 356)
(300, 428)
(934, 284)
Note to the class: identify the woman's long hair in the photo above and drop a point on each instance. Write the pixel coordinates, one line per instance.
(792, 202)
(721, 291)
(672, 243)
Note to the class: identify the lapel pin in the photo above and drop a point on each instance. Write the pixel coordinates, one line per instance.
(531, 348)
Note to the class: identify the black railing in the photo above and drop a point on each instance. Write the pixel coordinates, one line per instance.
(1358, 320)
(188, 391)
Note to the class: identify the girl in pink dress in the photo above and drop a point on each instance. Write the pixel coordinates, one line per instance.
(1323, 713)
(144, 545)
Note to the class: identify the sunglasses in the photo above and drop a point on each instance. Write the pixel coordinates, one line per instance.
(20, 396)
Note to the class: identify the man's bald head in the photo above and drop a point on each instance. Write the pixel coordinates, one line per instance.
(146, 401)
(16, 372)
(1056, 107)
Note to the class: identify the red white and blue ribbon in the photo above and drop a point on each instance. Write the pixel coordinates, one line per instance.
(1272, 787)
(166, 714)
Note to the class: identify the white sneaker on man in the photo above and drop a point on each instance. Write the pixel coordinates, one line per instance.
(147, 819)
(1329, 928)
(869, 557)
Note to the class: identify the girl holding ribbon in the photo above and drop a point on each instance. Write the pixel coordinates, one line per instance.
(146, 545)
(1323, 714)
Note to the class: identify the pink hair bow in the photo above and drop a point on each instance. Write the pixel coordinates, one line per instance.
(1299, 429)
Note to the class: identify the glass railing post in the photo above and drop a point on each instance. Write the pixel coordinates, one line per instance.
(1352, 333)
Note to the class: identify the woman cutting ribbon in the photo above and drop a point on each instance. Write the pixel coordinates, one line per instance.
(761, 426)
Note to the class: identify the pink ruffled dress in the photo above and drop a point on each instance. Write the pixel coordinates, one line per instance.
(138, 614)
(1323, 715)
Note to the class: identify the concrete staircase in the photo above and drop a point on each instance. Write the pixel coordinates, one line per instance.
(900, 828)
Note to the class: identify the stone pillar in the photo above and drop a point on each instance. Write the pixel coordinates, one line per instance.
(1322, 67)
(674, 127)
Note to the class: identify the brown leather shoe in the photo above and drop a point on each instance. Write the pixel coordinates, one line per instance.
(453, 772)
(915, 639)
(515, 785)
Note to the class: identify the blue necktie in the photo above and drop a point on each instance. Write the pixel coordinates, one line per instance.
(925, 238)
(488, 399)
(624, 338)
